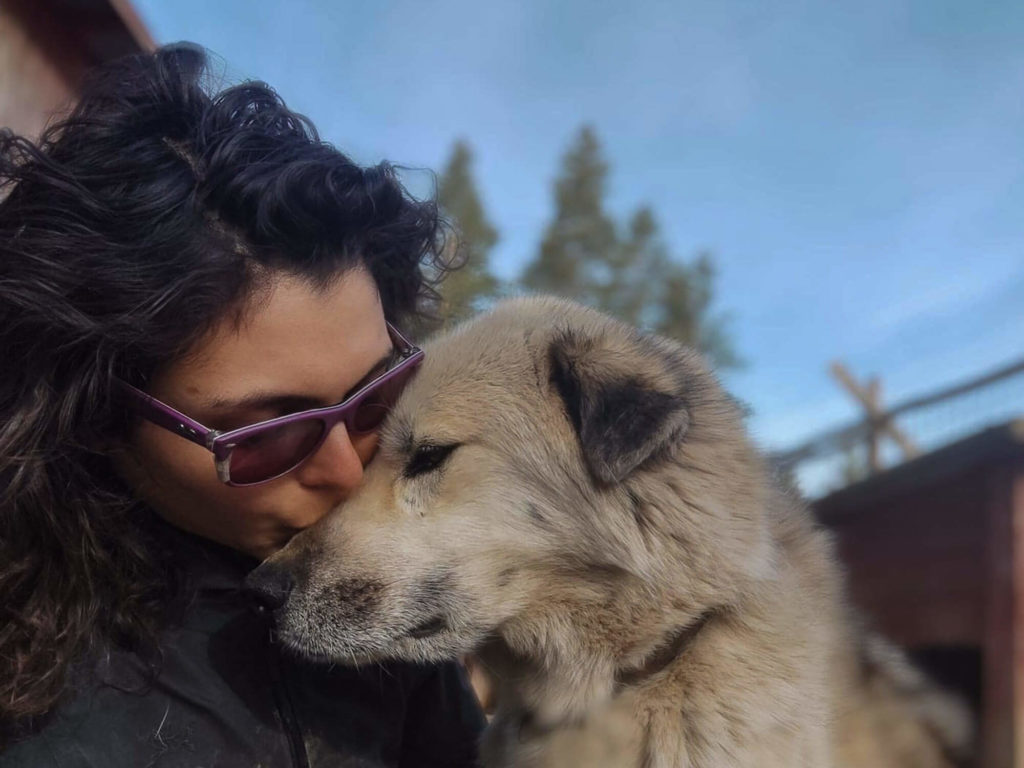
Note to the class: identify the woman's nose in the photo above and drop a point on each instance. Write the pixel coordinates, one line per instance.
(339, 462)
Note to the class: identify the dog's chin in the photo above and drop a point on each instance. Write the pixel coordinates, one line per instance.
(445, 645)
(431, 641)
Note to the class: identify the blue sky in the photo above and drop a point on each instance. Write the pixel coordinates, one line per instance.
(856, 167)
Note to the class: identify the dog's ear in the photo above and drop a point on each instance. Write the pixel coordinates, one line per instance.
(624, 398)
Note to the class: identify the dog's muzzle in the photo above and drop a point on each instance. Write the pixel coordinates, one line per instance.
(269, 586)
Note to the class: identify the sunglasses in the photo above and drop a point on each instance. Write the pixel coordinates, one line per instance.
(261, 452)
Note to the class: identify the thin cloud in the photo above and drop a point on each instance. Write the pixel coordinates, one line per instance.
(952, 294)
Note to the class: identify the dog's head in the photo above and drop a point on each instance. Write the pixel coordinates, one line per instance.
(545, 457)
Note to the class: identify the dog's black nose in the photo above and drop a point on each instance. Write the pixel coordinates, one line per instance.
(269, 585)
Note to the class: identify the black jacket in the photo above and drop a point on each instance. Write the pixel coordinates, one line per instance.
(227, 697)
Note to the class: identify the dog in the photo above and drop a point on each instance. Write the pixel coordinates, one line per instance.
(576, 502)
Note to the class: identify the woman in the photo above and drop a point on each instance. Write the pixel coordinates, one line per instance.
(173, 267)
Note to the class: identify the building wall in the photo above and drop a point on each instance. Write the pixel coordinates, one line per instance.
(914, 561)
(33, 84)
(935, 558)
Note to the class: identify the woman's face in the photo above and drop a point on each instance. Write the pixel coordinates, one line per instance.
(298, 347)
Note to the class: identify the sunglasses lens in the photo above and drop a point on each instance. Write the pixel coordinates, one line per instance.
(272, 452)
(374, 407)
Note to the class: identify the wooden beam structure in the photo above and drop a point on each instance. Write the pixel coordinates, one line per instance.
(934, 549)
(879, 422)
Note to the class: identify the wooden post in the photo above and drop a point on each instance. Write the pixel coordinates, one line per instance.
(1002, 726)
(1017, 619)
(879, 423)
(873, 402)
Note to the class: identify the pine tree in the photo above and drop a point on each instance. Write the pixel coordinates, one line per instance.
(466, 288)
(655, 291)
(634, 278)
(582, 238)
(635, 273)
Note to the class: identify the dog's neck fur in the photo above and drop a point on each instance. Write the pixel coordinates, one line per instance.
(663, 656)
(546, 688)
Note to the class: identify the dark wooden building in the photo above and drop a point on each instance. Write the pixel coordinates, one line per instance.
(46, 46)
(935, 554)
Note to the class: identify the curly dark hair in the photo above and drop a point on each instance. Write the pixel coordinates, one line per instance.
(126, 232)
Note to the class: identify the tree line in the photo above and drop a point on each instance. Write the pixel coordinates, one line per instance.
(624, 269)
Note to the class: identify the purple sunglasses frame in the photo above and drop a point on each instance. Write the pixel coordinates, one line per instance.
(221, 444)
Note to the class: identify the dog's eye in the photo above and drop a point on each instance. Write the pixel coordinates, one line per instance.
(427, 458)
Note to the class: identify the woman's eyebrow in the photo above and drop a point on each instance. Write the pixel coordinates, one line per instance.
(266, 399)
(381, 366)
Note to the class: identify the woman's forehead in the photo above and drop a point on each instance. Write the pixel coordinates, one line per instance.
(296, 338)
